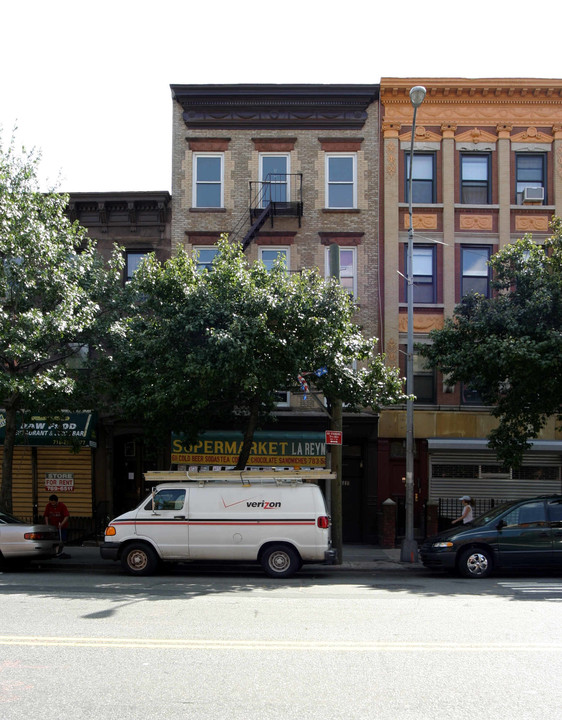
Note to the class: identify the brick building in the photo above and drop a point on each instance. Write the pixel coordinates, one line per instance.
(487, 169)
(139, 222)
(296, 169)
(291, 170)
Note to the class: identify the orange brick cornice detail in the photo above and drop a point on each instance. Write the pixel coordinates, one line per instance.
(504, 131)
(422, 135)
(423, 322)
(390, 130)
(476, 136)
(474, 102)
(476, 222)
(532, 135)
(448, 130)
(208, 144)
(421, 221)
(530, 223)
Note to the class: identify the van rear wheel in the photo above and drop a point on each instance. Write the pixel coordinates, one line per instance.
(139, 559)
(280, 561)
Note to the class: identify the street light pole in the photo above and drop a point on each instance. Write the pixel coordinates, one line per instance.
(409, 549)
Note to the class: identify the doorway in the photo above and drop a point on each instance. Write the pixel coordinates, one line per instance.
(132, 457)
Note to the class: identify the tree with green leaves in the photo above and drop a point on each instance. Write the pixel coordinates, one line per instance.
(509, 347)
(55, 291)
(203, 349)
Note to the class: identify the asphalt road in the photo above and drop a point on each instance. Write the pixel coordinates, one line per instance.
(229, 642)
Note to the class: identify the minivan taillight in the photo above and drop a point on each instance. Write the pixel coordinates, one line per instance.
(323, 522)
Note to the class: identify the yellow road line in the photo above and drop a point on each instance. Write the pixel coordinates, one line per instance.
(257, 644)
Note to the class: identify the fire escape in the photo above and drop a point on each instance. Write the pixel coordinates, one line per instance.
(279, 195)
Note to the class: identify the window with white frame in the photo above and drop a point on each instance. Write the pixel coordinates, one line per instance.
(341, 181)
(475, 178)
(269, 256)
(530, 177)
(424, 273)
(423, 178)
(204, 257)
(475, 273)
(274, 174)
(208, 180)
(348, 268)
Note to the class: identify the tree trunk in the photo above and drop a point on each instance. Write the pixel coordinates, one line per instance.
(8, 457)
(248, 435)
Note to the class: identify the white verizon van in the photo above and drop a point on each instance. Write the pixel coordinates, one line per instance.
(273, 518)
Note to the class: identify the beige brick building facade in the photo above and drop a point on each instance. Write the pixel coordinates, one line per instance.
(322, 144)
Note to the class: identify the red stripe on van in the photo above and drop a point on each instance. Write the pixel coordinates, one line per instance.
(152, 523)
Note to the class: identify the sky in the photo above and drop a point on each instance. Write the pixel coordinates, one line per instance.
(87, 82)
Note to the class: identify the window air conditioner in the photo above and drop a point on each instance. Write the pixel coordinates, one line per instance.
(533, 194)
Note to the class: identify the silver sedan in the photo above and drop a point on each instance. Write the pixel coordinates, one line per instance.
(20, 541)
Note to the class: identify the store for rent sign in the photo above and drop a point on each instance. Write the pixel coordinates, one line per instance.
(59, 482)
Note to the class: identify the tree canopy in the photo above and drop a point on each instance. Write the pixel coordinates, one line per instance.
(205, 348)
(509, 347)
(54, 292)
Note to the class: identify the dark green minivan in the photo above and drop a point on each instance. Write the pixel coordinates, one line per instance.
(519, 534)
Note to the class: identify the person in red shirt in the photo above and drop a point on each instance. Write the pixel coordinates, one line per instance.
(56, 513)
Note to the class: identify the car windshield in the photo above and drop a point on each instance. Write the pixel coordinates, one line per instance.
(491, 514)
(6, 519)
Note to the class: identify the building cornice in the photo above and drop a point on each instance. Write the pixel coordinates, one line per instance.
(342, 107)
(120, 208)
(483, 101)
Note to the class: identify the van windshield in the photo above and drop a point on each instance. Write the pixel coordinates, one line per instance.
(167, 499)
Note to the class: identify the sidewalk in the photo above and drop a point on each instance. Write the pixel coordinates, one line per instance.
(355, 557)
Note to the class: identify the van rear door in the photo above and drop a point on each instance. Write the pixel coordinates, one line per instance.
(163, 520)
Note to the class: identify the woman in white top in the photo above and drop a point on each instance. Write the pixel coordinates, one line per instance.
(466, 515)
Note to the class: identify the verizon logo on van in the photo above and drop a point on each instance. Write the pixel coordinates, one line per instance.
(265, 504)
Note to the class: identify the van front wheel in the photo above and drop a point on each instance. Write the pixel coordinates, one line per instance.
(139, 560)
(280, 561)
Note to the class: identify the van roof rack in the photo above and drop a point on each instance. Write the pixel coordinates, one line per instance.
(246, 477)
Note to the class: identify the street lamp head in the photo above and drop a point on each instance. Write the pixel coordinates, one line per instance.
(417, 95)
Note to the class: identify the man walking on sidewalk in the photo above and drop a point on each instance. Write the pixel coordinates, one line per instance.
(56, 513)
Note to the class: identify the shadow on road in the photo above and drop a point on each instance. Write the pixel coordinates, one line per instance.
(189, 581)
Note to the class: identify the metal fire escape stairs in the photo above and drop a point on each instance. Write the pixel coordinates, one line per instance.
(279, 195)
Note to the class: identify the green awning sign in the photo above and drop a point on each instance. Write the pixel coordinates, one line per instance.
(62, 430)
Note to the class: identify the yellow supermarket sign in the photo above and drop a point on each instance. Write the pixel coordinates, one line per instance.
(269, 449)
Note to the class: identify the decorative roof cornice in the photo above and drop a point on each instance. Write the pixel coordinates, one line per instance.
(481, 101)
(143, 208)
(342, 107)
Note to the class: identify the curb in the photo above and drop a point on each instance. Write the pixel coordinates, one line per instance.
(85, 557)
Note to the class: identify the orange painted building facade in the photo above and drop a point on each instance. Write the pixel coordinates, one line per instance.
(487, 169)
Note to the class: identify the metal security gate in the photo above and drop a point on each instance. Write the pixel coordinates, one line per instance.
(477, 473)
